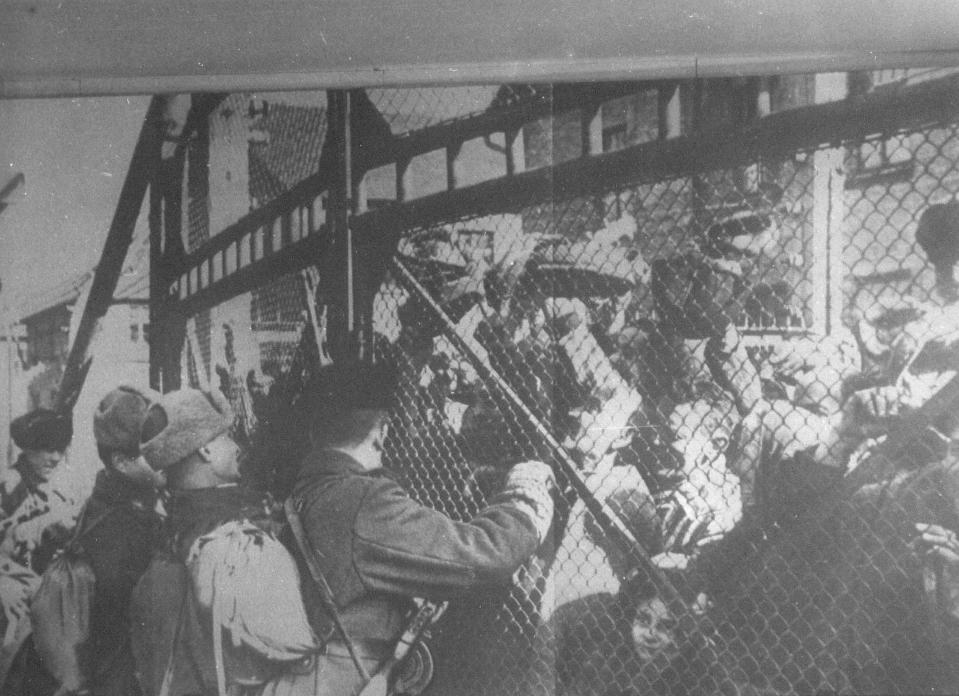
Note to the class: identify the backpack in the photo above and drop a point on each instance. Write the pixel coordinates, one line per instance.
(60, 609)
(220, 585)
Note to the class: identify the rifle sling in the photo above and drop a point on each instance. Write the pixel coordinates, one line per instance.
(326, 594)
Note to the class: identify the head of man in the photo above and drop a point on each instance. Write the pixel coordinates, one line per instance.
(349, 406)
(187, 436)
(117, 423)
(43, 436)
(937, 233)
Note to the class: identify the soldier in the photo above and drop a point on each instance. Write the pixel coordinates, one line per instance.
(28, 502)
(35, 521)
(123, 506)
(378, 548)
(35, 516)
(117, 534)
(203, 623)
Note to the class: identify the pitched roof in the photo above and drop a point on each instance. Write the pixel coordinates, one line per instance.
(63, 293)
(290, 150)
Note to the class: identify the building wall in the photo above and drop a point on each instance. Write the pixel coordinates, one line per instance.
(121, 355)
(48, 334)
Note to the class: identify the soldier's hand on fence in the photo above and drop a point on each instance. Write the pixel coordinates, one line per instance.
(529, 486)
(531, 473)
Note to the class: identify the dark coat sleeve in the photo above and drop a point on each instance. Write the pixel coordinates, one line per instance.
(402, 547)
(372, 538)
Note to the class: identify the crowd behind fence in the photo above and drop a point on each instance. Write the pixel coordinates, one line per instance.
(741, 373)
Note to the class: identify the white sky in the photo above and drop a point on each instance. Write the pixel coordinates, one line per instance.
(74, 154)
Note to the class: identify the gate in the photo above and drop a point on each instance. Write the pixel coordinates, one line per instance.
(671, 292)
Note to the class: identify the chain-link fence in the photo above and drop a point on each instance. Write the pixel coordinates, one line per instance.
(738, 360)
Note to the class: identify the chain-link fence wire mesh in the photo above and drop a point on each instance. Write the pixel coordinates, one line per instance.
(721, 526)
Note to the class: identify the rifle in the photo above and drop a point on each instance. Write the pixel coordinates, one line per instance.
(426, 615)
(378, 683)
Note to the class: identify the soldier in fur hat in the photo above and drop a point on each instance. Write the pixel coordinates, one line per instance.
(123, 511)
(118, 532)
(28, 502)
(36, 517)
(224, 552)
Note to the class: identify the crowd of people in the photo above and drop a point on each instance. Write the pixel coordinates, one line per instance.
(198, 589)
(675, 422)
(693, 440)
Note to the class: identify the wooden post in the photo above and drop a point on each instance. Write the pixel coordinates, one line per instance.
(340, 274)
(158, 284)
(669, 113)
(402, 179)
(829, 183)
(592, 125)
(452, 154)
(828, 216)
(837, 221)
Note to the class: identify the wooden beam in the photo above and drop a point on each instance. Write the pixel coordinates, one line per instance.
(302, 194)
(782, 133)
(141, 171)
(498, 120)
(295, 257)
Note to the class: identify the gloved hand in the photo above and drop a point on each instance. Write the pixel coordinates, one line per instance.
(531, 473)
(528, 486)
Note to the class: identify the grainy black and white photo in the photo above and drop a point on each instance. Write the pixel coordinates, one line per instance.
(520, 387)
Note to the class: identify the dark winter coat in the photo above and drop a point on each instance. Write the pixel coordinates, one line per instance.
(118, 547)
(378, 547)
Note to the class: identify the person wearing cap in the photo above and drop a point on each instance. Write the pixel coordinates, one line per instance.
(912, 347)
(119, 529)
(35, 514)
(36, 517)
(890, 330)
(123, 506)
(186, 436)
(937, 233)
(377, 547)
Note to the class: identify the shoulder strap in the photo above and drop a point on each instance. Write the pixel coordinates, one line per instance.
(167, 682)
(326, 594)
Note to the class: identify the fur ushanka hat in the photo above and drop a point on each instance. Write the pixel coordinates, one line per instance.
(181, 423)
